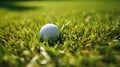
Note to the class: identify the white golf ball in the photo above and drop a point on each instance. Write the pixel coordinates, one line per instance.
(49, 32)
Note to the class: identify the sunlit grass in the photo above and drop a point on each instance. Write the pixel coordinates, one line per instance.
(90, 35)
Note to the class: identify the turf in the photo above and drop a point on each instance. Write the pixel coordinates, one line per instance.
(90, 34)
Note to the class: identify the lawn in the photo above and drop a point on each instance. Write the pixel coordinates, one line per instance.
(89, 34)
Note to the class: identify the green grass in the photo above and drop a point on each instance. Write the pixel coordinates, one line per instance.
(90, 34)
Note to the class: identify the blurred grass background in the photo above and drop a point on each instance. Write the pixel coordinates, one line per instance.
(90, 33)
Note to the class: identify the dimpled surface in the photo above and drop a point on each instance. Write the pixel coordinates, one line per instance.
(49, 32)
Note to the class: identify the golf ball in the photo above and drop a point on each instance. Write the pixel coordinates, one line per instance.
(49, 32)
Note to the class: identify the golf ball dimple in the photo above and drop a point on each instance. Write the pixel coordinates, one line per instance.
(49, 32)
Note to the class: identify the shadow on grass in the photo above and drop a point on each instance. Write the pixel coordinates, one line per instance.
(12, 5)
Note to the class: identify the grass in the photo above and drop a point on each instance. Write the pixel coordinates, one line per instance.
(90, 34)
